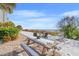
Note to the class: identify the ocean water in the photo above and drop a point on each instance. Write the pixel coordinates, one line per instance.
(48, 30)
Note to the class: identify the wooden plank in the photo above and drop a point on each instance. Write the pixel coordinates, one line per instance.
(29, 50)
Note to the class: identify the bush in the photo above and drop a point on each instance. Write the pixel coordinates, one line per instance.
(9, 33)
(19, 27)
(69, 25)
(9, 24)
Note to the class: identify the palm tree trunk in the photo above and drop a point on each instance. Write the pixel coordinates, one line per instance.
(3, 18)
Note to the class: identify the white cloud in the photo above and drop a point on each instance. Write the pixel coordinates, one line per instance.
(28, 13)
(33, 19)
(46, 19)
(39, 23)
(39, 26)
(71, 13)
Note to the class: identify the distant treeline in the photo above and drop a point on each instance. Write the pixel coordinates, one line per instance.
(42, 31)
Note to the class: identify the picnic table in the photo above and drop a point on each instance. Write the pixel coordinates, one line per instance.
(47, 44)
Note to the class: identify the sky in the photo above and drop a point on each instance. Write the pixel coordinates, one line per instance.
(42, 15)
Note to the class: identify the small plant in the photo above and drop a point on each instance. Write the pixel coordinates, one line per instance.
(6, 38)
(19, 27)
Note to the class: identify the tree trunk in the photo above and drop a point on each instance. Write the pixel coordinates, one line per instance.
(3, 16)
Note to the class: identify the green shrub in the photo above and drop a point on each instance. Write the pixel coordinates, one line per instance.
(9, 33)
(71, 33)
(19, 27)
(69, 25)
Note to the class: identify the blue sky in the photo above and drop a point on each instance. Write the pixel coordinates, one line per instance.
(42, 15)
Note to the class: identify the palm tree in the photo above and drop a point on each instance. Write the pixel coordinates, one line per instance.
(7, 8)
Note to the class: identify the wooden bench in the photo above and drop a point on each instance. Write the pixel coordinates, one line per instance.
(45, 47)
(29, 50)
(35, 40)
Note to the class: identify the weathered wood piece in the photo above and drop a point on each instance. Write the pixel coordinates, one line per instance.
(29, 50)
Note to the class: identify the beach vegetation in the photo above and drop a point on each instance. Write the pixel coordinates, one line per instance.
(69, 25)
